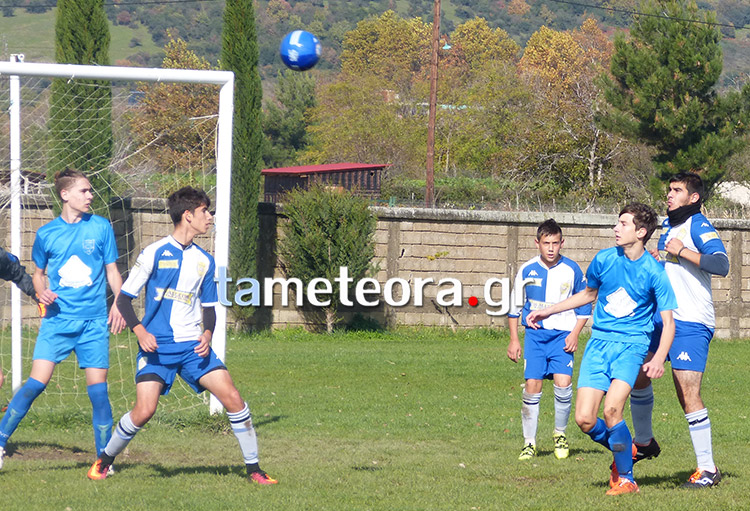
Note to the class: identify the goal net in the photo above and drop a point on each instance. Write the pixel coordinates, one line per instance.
(157, 129)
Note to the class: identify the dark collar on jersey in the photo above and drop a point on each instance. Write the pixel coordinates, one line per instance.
(679, 215)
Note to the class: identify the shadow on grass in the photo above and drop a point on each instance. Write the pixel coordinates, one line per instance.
(41, 450)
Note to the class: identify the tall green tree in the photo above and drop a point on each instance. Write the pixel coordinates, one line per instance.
(662, 91)
(239, 53)
(80, 124)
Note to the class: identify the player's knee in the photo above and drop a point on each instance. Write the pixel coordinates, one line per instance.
(585, 421)
(233, 402)
(612, 415)
(142, 413)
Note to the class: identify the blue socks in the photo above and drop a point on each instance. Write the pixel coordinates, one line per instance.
(621, 445)
(599, 433)
(19, 407)
(101, 415)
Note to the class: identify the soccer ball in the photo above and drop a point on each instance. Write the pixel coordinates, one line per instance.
(300, 50)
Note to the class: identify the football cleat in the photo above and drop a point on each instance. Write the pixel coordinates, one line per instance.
(614, 475)
(703, 479)
(261, 477)
(528, 452)
(2, 456)
(98, 471)
(562, 449)
(646, 452)
(623, 486)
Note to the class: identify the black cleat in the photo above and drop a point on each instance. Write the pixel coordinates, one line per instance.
(646, 452)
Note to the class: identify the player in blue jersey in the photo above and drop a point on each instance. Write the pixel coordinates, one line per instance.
(629, 286)
(691, 251)
(12, 270)
(180, 294)
(544, 280)
(77, 252)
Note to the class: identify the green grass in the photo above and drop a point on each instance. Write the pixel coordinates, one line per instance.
(34, 36)
(412, 419)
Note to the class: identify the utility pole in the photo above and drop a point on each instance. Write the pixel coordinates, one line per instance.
(429, 196)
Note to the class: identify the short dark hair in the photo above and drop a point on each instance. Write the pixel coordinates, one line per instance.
(186, 199)
(644, 217)
(693, 182)
(66, 178)
(548, 228)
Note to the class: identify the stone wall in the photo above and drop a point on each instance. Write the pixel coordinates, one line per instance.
(470, 246)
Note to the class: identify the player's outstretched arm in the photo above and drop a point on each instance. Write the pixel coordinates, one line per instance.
(588, 295)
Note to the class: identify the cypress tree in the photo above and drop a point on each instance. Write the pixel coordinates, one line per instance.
(80, 125)
(239, 53)
(662, 91)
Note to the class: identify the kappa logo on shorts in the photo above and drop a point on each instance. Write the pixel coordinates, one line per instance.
(570, 364)
(684, 357)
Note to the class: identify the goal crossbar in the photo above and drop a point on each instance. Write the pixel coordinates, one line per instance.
(17, 68)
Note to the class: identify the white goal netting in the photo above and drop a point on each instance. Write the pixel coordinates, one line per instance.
(147, 140)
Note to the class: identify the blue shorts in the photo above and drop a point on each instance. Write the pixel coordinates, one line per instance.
(89, 338)
(544, 354)
(689, 351)
(171, 359)
(604, 361)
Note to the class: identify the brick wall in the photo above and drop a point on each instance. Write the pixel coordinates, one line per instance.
(471, 246)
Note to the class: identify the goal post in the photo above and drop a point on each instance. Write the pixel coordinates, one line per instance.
(17, 69)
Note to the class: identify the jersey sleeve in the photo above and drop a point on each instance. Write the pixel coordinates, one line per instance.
(139, 274)
(579, 284)
(39, 252)
(209, 296)
(593, 272)
(109, 245)
(705, 237)
(665, 297)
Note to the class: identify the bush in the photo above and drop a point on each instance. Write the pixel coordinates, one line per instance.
(327, 229)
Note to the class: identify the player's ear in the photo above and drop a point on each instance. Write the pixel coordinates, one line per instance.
(694, 197)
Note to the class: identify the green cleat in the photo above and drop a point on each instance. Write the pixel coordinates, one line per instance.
(528, 452)
(562, 449)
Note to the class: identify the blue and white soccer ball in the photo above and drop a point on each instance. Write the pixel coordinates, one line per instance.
(300, 50)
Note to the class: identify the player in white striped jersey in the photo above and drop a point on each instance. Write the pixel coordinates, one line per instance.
(180, 295)
(542, 281)
(691, 251)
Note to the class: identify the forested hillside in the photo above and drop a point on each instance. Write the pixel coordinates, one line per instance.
(199, 24)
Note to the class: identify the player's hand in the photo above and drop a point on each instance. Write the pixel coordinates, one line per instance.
(115, 320)
(146, 341)
(654, 368)
(655, 254)
(47, 297)
(534, 317)
(514, 350)
(204, 345)
(2, 377)
(571, 343)
(674, 246)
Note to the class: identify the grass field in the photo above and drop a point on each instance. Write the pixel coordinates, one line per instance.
(34, 36)
(411, 419)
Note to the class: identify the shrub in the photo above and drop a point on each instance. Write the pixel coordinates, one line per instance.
(326, 229)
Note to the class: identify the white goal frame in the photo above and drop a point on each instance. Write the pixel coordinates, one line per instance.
(16, 68)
